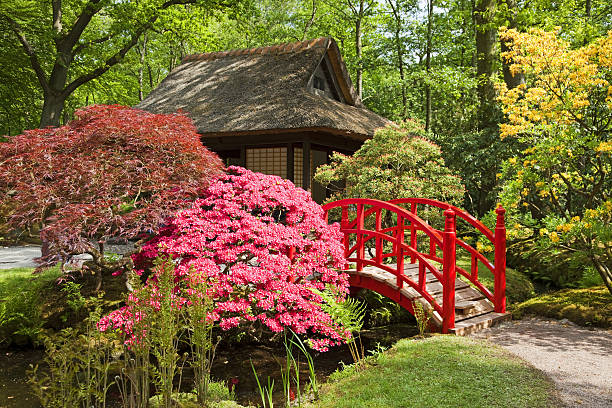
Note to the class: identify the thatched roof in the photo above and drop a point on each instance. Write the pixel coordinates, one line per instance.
(263, 89)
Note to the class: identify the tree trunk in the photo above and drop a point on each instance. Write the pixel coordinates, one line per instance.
(428, 66)
(512, 81)
(605, 272)
(359, 50)
(400, 64)
(587, 20)
(311, 21)
(486, 34)
(143, 51)
(400, 56)
(53, 106)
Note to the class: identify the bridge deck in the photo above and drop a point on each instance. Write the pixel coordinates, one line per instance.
(473, 310)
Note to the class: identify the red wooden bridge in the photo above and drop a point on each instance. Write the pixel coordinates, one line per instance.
(394, 252)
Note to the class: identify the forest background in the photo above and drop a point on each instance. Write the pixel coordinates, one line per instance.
(436, 61)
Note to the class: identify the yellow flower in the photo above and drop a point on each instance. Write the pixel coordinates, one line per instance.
(554, 237)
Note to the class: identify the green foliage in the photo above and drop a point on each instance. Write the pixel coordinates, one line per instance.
(591, 307)
(200, 332)
(422, 317)
(265, 391)
(74, 299)
(441, 371)
(164, 325)
(349, 313)
(397, 162)
(476, 156)
(380, 310)
(218, 397)
(314, 385)
(76, 367)
(22, 294)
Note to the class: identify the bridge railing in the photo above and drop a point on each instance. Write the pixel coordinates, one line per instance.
(497, 239)
(355, 248)
(442, 247)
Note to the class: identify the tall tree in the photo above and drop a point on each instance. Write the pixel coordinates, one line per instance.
(398, 7)
(69, 44)
(486, 36)
(357, 12)
(428, 65)
(512, 79)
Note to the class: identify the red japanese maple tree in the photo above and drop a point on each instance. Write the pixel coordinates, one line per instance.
(262, 245)
(113, 172)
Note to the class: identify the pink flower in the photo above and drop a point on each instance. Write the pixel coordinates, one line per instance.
(236, 241)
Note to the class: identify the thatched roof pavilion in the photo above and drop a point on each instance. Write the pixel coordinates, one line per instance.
(281, 109)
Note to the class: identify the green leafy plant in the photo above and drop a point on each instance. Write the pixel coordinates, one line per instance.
(265, 391)
(296, 341)
(74, 299)
(397, 162)
(349, 313)
(422, 317)
(78, 367)
(21, 302)
(199, 328)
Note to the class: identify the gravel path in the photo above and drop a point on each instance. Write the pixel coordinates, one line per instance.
(18, 257)
(23, 256)
(577, 359)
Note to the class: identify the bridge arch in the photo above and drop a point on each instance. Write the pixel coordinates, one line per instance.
(400, 266)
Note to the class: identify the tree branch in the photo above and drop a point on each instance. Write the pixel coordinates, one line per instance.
(70, 40)
(40, 73)
(311, 21)
(57, 15)
(82, 46)
(119, 55)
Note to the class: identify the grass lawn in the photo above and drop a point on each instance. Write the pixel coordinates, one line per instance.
(586, 307)
(21, 299)
(441, 371)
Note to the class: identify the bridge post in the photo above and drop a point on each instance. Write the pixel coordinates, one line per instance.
(449, 273)
(499, 293)
(360, 240)
(400, 252)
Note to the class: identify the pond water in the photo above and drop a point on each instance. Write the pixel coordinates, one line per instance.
(230, 363)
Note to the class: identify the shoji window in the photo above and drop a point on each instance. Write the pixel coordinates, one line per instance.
(267, 160)
(298, 168)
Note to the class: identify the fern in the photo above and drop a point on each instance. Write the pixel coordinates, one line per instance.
(348, 313)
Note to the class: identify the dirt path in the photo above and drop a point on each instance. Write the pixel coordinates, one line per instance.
(577, 359)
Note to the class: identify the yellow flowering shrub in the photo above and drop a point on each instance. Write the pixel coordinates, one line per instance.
(560, 185)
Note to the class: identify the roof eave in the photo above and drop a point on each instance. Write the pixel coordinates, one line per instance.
(338, 132)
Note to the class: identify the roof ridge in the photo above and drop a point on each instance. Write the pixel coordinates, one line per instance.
(284, 48)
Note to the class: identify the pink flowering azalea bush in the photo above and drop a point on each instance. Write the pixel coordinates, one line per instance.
(261, 245)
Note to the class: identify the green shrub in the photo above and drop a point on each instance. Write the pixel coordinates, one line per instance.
(21, 301)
